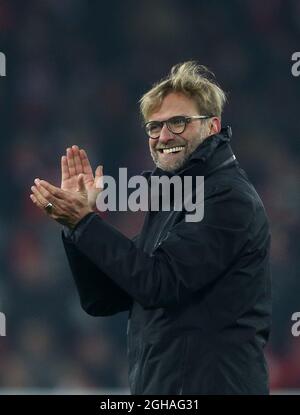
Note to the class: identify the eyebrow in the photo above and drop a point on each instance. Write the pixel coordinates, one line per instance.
(165, 119)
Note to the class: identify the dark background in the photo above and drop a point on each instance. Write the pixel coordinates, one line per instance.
(75, 72)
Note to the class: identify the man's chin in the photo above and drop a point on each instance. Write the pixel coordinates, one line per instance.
(170, 162)
(170, 166)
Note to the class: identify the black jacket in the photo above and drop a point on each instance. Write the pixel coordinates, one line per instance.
(198, 293)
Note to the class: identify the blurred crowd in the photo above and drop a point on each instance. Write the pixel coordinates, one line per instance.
(75, 73)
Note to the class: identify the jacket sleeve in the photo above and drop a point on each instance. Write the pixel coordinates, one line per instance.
(99, 295)
(192, 255)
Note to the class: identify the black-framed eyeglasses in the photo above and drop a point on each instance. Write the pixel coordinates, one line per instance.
(176, 124)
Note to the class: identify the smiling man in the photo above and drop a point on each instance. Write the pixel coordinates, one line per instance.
(198, 294)
(171, 143)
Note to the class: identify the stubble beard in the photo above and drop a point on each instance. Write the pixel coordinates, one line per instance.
(172, 166)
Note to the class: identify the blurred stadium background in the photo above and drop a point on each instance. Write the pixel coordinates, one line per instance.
(75, 72)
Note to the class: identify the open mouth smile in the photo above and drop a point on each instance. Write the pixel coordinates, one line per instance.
(171, 150)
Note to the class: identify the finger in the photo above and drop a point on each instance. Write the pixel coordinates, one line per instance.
(50, 191)
(99, 177)
(40, 199)
(77, 160)
(35, 201)
(87, 169)
(99, 171)
(71, 162)
(65, 174)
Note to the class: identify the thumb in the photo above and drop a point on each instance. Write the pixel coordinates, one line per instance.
(81, 185)
(99, 177)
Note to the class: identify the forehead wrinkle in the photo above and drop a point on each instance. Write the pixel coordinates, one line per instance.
(174, 104)
(166, 119)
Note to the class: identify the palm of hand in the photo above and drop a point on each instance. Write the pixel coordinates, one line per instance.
(75, 163)
(71, 183)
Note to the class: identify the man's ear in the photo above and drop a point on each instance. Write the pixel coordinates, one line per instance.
(215, 125)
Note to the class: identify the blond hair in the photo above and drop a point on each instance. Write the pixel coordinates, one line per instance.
(194, 81)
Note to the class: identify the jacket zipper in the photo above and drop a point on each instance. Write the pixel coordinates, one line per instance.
(160, 238)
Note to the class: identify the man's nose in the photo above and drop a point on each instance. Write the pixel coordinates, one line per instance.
(165, 135)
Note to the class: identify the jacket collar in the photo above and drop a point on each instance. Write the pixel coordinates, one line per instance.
(211, 154)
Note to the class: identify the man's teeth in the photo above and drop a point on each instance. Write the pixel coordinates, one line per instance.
(172, 150)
